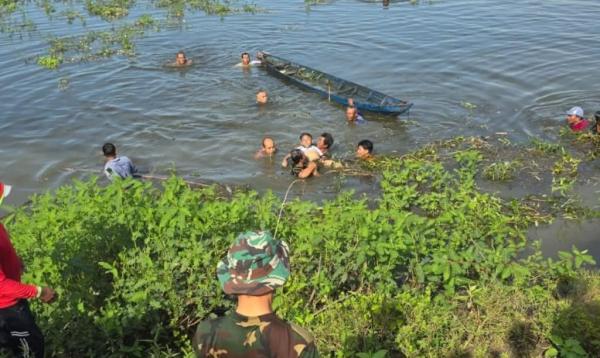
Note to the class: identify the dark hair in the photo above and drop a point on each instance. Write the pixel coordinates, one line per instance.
(328, 139)
(305, 133)
(366, 144)
(244, 53)
(597, 116)
(109, 150)
(297, 161)
(180, 53)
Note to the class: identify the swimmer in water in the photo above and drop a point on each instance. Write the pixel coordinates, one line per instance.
(268, 148)
(364, 150)
(311, 151)
(352, 115)
(576, 121)
(596, 126)
(246, 62)
(262, 97)
(324, 144)
(301, 166)
(181, 60)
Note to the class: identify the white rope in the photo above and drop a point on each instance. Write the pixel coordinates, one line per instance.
(282, 204)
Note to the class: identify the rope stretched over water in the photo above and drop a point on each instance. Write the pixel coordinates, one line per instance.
(141, 176)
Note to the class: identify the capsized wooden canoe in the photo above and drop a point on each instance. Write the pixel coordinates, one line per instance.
(333, 88)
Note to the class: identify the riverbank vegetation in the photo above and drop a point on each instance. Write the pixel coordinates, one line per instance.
(432, 266)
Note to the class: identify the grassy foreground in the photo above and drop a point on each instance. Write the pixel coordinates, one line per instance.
(433, 267)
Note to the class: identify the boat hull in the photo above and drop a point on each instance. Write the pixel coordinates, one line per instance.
(328, 87)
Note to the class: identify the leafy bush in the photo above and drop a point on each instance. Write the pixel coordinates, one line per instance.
(435, 268)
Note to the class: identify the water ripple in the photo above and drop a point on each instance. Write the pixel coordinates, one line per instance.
(521, 63)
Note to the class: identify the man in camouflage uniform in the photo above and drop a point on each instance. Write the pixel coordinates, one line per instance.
(255, 265)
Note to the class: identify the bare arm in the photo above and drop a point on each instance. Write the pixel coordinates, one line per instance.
(284, 163)
(310, 169)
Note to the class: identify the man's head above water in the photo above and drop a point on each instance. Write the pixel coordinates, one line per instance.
(245, 58)
(181, 59)
(268, 146)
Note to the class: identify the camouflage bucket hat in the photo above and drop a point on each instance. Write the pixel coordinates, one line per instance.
(255, 265)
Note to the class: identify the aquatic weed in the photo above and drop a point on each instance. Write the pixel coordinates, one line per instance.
(564, 173)
(72, 15)
(468, 105)
(7, 7)
(501, 171)
(96, 44)
(109, 9)
(546, 147)
(50, 62)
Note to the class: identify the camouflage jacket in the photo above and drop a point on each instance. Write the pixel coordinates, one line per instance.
(266, 336)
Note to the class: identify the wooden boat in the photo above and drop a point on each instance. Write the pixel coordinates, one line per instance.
(333, 88)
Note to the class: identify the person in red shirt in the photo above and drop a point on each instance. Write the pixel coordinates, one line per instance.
(575, 119)
(18, 330)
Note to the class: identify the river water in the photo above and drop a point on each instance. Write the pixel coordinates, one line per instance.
(521, 63)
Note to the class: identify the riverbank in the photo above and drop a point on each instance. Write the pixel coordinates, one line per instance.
(432, 266)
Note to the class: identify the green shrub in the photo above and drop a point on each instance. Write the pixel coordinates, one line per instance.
(436, 268)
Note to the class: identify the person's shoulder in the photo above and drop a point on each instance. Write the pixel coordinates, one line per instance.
(210, 324)
(209, 335)
(299, 334)
(316, 149)
(210, 328)
(304, 342)
(302, 333)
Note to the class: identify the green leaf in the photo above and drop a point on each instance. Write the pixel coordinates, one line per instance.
(380, 354)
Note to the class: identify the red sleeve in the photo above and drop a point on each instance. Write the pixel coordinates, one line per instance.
(11, 289)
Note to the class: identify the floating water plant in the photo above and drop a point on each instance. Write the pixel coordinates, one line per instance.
(109, 9)
(72, 15)
(564, 174)
(116, 40)
(468, 105)
(546, 147)
(501, 171)
(50, 62)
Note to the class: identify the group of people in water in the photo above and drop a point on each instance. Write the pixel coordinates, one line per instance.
(306, 159)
